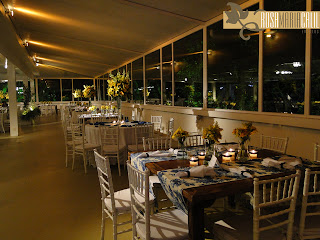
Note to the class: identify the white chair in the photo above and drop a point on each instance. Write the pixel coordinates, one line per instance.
(80, 146)
(113, 203)
(171, 224)
(170, 126)
(269, 196)
(194, 140)
(316, 154)
(140, 131)
(67, 132)
(157, 121)
(157, 143)
(274, 143)
(133, 115)
(310, 206)
(110, 144)
(2, 121)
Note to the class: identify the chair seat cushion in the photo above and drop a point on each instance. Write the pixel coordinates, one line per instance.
(172, 224)
(123, 200)
(113, 148)
(133, 148)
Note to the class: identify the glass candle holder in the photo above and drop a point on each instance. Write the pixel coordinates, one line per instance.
(194, 161)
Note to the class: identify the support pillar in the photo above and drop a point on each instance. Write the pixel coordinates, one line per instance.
(32, 90)
(13, 108)
(37, 90)
(25, 81)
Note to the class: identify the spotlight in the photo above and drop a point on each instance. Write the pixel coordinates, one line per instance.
(9, 11)
(26, 43)
(268, 35)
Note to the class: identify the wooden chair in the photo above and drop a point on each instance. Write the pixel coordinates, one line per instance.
(269, 196)
(274, 143)
(67, 132)
(170, 126)
(158, 143)
(194, 140)
(110, 144)
(157, 121)
(140, 131)
(99, 119)
(171, 224)
(310, 206)
(316, 153)
(80, 145)
(2, 121)
(113, 203)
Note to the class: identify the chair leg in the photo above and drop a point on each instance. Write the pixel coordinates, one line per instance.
(115, 229)
(67, 155)
(119, 167)
(85, 161)
(73, 157)
(103, 222)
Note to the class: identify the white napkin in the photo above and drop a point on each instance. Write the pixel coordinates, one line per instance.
(213, 162)
(236, 169)
(155, 154)
(198, 171)
(286, 162)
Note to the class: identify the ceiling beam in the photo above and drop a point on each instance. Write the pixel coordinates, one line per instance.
(62, 69)
(165, 12)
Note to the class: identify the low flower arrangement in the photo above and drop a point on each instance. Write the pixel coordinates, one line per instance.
(212, 133)
(92, 108)
(30, 113)
(88, 91)
(4, 95)
(77, 93)
(119, 84)
(245, 132)
(180, 135)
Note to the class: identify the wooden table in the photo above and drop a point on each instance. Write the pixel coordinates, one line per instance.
(199, 198)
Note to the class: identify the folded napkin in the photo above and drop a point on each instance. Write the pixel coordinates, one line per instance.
(236, 169)
(285, 162)
(155, 154)
(199, 171)
(177, 152)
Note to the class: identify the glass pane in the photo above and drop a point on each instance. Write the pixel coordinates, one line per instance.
(167, 74)
(123, 68)
(49, 90)
(130, 75)
(137, 77)
(66, 89)
(78, 84)
(315, 71)
(232, 69)
(188, 68)
(153, 78)
(284, 64)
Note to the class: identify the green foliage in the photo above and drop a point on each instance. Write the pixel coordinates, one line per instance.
(30, 113)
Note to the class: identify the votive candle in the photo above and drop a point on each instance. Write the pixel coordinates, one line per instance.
(253, 154)
(194, 161)
(232, 153)
(202, 155)
(226, 157)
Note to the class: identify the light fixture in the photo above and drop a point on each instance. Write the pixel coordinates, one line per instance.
(26, 43)
(268, 35)
(296, 64)
(37, 64)
(6, 63)
(9, 11)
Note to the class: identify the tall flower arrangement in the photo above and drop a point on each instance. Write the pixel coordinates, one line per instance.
(118, 85)
(212, 133)
(244, 135)
(4, 95)
(77, 93)
(88, 91)
(180, 135)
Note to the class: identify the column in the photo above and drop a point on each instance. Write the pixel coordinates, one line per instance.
(37, 90)
(13, 108)
(32, 90)
(25, 81)
(95, 87)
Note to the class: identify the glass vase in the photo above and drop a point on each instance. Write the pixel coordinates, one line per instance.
(243, 154)
(119, 109)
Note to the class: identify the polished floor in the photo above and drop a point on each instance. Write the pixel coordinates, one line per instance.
(41, 199)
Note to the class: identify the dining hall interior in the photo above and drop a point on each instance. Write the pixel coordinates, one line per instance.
(126, 119)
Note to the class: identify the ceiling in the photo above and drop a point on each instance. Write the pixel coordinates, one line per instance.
(80, 38)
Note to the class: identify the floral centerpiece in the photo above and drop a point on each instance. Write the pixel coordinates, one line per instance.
(244, 135)
(212, 134)
(88, 92)
(4, 96)
(77, 93)
(104, 108)
(118, 86)
(30, 113)
(180, 135)
(93, 109)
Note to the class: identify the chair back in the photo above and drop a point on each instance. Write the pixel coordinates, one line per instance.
(143, 131)
(316, 152)
(274, 143)
(310, 205)
(77, 134)
(194, 140)
(105, 179)
(109, 136)
(160, 143)
(98, 119)
(133, 115)
(170, 126)
(139, 185)
(270, 194)
(156, 120)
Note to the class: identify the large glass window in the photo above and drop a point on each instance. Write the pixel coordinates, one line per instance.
(188, 67)
(130, 75)
(137, 77)
(66, 89)
(153, 78)
(232, 69)
(49, 90)
(284, 63)
(167, 74)
(123, 68)
(79, 83)
(315, 71)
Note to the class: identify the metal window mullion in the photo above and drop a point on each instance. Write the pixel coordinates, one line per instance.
(72, 89)
(60, 89)
(260, 67)
(172, 72)
(308, 56)
(144, 79)
(131, 83)
(161, 78)
(205, 69)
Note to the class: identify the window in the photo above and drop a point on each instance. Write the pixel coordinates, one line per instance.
(315, 71)
(130, 75)
(123, 68)
(188, 68)
(167, 74)
(49, 90)
(153, 78)
(137, 80)
(284, 63)
(232, 69)
(66, 89)
(78, 84)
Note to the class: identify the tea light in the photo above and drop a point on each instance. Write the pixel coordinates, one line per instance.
(232, 153)
(114, 122)
(226, 157)
(202, 155)
(122, 122)
(253, 154)
(194, 161)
